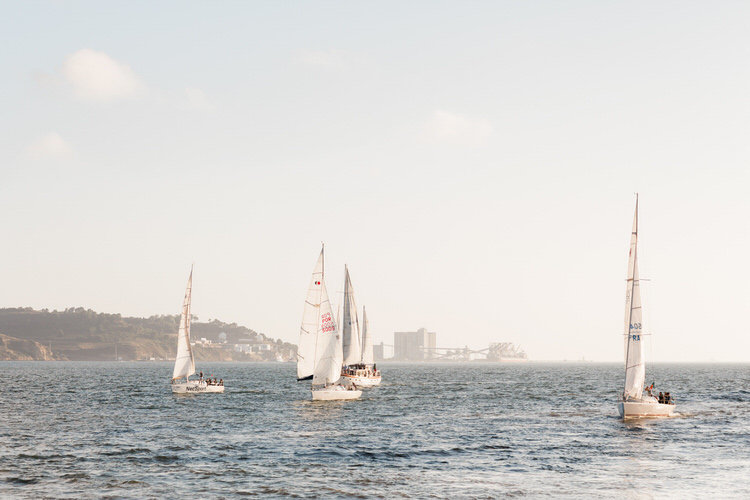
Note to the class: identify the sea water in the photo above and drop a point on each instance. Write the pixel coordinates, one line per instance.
(77, 430)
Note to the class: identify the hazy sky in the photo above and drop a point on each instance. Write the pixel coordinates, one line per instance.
(473, 163)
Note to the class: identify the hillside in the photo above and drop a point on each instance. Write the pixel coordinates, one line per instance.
(83, 334)
(14, 349)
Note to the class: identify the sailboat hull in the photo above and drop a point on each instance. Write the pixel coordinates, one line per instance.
(195, 387)
(335, 393)
(361, 380)
(638, 409)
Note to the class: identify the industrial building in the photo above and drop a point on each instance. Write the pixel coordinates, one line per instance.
(414, 346)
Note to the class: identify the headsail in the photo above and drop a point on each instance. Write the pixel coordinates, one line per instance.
(350, 324)
(635, 362)
(184, 363)
(308, 333)
(367, 352)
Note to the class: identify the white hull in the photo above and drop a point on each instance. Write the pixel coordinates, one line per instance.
(644, 409)
(195, 387)
(363, 381)
(334, 393)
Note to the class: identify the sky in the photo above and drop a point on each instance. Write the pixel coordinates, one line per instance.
(473, 163)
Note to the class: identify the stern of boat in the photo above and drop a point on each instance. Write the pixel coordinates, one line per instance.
(638, 409)
(335, 393)
(195, 387)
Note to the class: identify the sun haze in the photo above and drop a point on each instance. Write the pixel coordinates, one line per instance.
(474, 167)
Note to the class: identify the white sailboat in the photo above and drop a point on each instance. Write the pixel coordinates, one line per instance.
(320, 349)
(184, 363)
(637, 401)
(364, 373)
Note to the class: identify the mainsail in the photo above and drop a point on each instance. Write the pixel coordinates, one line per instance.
(328, 355)
(308, 333)
(635, 362)
(350, 324)
(184, 363)
(367, 353)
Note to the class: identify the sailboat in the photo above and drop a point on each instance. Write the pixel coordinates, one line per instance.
(320, 348)
(363, 372)
(637, 401)
(184, 363)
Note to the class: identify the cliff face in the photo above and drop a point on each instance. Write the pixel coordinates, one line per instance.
(13, 349)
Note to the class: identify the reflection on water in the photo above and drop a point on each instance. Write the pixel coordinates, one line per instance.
(446, 430)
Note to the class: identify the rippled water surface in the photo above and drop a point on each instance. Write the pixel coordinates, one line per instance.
(442, 430)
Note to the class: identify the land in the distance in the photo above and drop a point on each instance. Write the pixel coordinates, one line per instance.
(79, 334)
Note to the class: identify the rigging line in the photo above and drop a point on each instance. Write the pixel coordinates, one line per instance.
(632, 287)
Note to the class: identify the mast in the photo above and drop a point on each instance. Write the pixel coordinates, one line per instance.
(189, 318)
(328, 353)
(633, 300)
(184, 364)
(307, 347)
(320, 297)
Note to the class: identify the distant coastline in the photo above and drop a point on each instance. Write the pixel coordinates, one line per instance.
(78, 334)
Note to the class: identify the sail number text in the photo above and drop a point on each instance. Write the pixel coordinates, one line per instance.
(326, 323)
(635, 326)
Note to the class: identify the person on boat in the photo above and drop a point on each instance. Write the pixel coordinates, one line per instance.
(661, 398)
(668, 399)
(221, 382)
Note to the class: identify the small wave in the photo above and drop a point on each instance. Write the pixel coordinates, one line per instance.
(494, 447)
(22, 480)
(53, 456)
(131, 482)
(568, 414)
(344, 493)
(268, 490)
(129, 451)
(126, 483)
(396, 455)
(74, 477)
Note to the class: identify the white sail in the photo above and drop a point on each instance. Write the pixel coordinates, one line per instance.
(368, 357)
(350, 324)
(184, 363)
(329, 356)
(308, 333)
(338, 315)
(635, 362)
